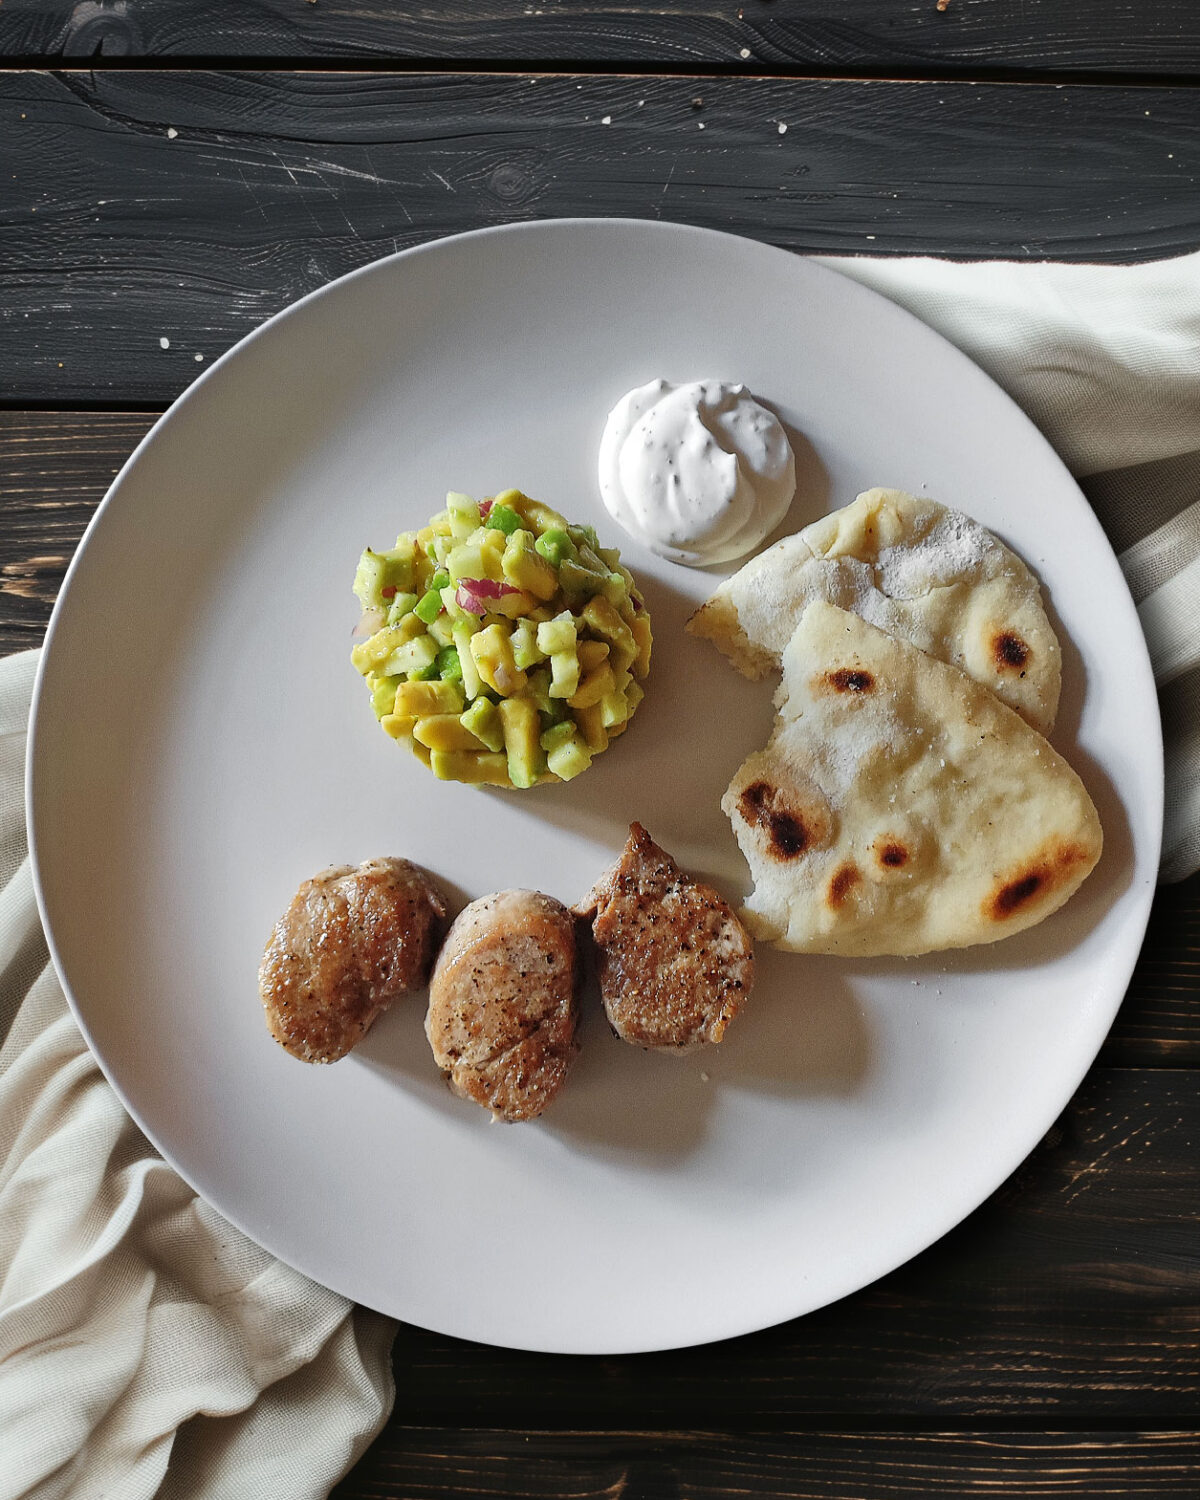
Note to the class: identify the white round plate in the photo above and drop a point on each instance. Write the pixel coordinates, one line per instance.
(201, 744)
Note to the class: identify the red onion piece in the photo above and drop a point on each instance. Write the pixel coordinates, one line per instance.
(484, 507)
(472, 594)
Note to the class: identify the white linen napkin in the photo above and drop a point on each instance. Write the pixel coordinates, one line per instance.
(1106, 360)
(146, 1346)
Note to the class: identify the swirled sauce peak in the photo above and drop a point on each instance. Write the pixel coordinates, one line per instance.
(699, 472)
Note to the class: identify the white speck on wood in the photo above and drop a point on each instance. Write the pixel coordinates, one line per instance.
(164, 343)
(171, 132)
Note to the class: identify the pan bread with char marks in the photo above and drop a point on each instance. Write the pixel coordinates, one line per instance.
(899, 807)
(924, 573)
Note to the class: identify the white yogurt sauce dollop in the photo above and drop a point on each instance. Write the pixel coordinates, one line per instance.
(700, 472)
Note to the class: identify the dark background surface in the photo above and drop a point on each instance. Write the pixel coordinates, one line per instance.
(182, 172)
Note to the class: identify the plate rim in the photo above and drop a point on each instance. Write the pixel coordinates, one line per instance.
(1026, 1140)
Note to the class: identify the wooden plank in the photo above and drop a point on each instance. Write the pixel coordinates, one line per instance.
(906, 36)
(56, 468)
(142, 206)
(452, 1464)
(1069, 1298)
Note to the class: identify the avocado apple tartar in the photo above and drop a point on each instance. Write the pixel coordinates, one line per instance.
(503, 644)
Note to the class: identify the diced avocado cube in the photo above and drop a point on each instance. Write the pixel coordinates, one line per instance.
(526, 651)
(522, 733)
(623, 653)
(538, 688)
(428, 607)
(449, 663)
(569, 759)
(591, 654)
(442, 628)
(413, 657)
(378, 571)
(614, 589)
(398, 726)
(595, 736)
(463, 514)
(477, 767)
(492, 650)
(524, 569)
(445, 732)
(370, 655)
(583, 536)
(501, 518)
(483, 720)
(472, 684)
(537, 517)
(369, 578)
(614, 709)
(579, 582)
(558, 634)
(419, 698)
(592, 688)
(401, 604)
(558, 734)
(592, 561)
(383, 693)
(564, 674)
(512, 606)
(556, 546)
(599, 615)
(465, 561)
(645, 640)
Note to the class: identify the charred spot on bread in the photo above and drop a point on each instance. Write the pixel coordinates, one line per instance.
(841, 883)
(788, 834)
(891, 853)
(1009, 651)
(850, 680)
(1048, 870)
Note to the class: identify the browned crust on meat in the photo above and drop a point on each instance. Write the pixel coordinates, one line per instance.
(502, 1007)
(675, 964)
(351, 941)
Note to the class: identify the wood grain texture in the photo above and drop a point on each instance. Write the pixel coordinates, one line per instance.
(1155, 36)
(430, 1464)
(142, 206)
(56, 467)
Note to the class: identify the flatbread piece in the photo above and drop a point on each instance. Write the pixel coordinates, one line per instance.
(924, 573)
(899, 807)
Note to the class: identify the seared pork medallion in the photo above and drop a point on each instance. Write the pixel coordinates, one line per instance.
(502, 1009)
(351, 942)
(674, 962)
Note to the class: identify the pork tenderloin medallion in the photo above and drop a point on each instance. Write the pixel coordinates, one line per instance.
(674, 962)
(351, 942)
(502, 1007)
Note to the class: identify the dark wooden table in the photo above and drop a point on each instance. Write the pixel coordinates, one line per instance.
(171, 174)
